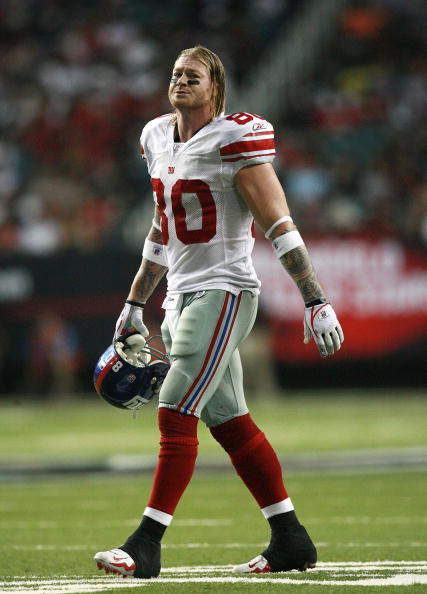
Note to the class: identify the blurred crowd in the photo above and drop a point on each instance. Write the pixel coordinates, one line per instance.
(79, 80)
(354, 144)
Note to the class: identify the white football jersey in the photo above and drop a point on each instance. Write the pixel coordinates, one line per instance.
(207, 228)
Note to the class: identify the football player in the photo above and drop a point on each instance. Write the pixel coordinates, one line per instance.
(212, 175)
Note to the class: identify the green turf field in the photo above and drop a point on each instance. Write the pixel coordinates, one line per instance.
(299, 423)
(369, 523)
(366, 526)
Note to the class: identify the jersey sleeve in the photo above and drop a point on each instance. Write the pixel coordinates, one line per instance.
(152, 137)
(142, 141)
(254, 146)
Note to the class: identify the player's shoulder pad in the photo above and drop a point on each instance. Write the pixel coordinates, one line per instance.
(154, 130)
(243, 124)
(246, 137)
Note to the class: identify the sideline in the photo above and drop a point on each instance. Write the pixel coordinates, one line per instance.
(410, 458)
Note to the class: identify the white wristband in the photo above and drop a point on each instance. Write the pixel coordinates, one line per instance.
(154, 252)
(287, 242)
(276, 224)
(156, 225)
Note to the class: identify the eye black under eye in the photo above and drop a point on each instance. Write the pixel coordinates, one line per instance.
(193, 79)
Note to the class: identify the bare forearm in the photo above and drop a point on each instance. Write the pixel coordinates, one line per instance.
(298, 265)
(146, 280)
(149, 274)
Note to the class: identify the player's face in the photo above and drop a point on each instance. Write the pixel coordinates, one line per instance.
(190, 86)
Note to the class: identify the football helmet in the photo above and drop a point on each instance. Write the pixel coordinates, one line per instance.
(125, 375)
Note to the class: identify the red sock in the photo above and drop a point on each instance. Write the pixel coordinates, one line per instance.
(177, 457)
(253, 458)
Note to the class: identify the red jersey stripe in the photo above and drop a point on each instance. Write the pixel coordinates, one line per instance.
(246, 146)
(263, 133)
(253, 156)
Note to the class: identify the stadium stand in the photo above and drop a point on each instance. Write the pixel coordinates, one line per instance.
(78, 81)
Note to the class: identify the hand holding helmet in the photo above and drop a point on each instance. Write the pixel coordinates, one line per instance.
(125, 375)
(131, 319)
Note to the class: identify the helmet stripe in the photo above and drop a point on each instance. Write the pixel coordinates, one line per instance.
(104, 372)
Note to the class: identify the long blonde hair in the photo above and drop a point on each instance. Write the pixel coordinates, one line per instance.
(216, 72)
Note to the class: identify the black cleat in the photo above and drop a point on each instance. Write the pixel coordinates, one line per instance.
(292, 549)
(138, 559)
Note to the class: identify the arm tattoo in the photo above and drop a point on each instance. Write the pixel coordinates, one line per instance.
(150, 273)
(149, 277)
(297, 263)
(155, 235)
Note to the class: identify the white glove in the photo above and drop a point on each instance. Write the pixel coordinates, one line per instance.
(131, 318)
(321, 323)
(134, 350)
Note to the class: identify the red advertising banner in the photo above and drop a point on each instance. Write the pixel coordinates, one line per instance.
(378, 288)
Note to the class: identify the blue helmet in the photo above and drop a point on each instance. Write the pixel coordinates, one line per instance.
(125, 376)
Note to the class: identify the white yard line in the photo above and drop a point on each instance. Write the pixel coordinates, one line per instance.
(321, 566)
(327, 574)
(401, 580)
(208, 545)
(209, 522)
(373, 545)
(387, 520)
(78, 586)
(50, 524)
